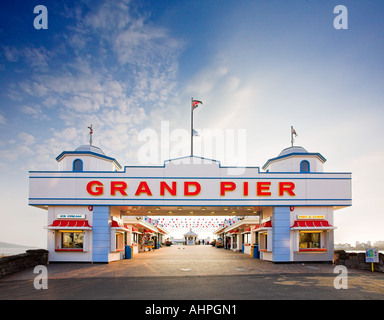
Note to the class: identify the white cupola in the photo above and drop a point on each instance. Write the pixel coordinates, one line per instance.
(295, 159)
(86, 158)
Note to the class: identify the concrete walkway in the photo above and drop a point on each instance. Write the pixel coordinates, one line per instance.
(192, 272)
(177, 261)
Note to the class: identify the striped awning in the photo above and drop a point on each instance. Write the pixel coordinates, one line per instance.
(264, 226)
(70, 224)
(311, 224)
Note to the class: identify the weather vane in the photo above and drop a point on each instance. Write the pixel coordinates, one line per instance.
(293, 133)
(90, 135)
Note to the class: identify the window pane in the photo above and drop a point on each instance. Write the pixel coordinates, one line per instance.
(78, 165)
(304, 166)
(72, 240)
(309, 240)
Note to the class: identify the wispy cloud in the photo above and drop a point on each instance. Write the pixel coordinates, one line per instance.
(112, 70)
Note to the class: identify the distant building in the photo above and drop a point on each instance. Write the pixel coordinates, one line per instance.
(190, 238)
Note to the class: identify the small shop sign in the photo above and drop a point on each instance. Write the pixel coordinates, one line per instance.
(71, 216)
(311, 217)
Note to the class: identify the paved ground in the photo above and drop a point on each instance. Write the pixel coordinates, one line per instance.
(192, 273)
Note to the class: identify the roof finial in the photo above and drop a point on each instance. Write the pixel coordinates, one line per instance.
(90, 135)
(293, 132)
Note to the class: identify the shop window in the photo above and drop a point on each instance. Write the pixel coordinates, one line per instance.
(304, 166)
(309, 240)
(256, 239)
(263, 246)
(119, 241)
(78, 165)
(246, 238)
(135, 238)
(72, 240)
(234, 245)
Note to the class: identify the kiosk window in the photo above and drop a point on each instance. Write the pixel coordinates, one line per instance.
(119, 241)
(72, 240)
(246, 238)
(309, 240)
(263, 241)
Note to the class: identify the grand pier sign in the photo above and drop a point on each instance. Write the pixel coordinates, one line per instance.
(181, 184)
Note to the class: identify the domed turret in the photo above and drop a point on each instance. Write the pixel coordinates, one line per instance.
(90, 148)
(86, 158)
(294, 149)
(295, 159)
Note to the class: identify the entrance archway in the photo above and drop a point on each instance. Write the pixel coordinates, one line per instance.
(211, 224)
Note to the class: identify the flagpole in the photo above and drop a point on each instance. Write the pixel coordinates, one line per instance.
(191, 127)
(292, 136)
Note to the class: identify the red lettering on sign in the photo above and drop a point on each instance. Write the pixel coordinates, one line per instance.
(226, 186)
(118, 186)
(263, 188)
(187, 192)
(97, 191)
(143, 188)
(164, 185)
(286, 187)
(245, 188)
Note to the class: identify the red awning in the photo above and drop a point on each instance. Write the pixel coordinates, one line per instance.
(267, 224)
(247, 229)
(118, 226)
(70, 224)
(312, 224)
(264, 225)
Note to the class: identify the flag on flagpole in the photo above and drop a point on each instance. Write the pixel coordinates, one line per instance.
(195, 103)
(195, 133)
(294, 131)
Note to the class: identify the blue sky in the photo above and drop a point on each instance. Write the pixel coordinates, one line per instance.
(258, 66)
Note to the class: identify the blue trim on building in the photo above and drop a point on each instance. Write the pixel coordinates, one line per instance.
(73, 153)
(101, 233)
(321, 158)
(191, 177)
(183, 199)
(281, 234)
